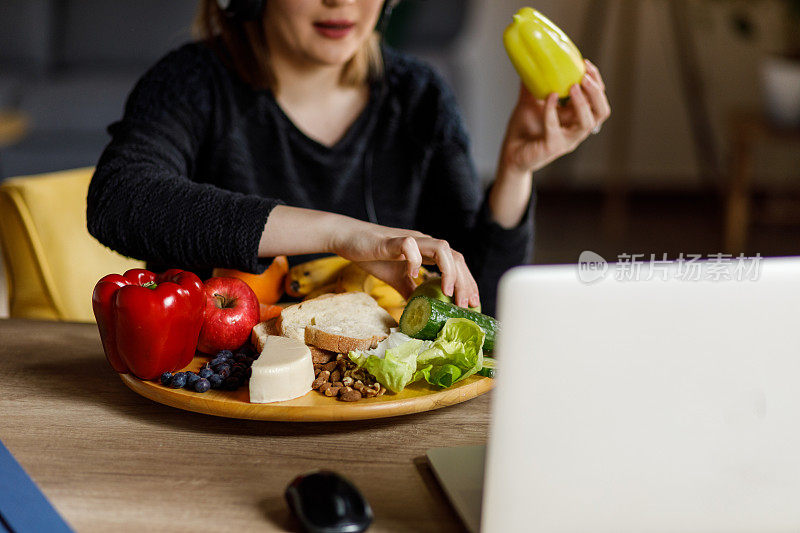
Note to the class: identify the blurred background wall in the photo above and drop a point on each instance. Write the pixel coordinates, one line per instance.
(66, 67)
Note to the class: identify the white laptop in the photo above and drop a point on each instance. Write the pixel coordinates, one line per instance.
(668, 404)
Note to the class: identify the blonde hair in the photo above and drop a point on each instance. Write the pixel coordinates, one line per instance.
(242, 45)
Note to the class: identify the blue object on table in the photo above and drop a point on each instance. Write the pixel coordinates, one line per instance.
(23, 507)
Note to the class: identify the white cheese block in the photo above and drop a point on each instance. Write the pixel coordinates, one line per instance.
(283, 371)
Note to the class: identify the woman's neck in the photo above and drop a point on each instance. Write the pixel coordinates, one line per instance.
(297, 82)
(314, 99)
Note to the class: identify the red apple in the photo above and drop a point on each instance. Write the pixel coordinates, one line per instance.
(231, 312)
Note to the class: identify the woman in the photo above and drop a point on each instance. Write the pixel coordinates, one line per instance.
(296, 133)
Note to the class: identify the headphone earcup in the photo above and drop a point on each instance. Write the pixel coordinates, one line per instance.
(242, 9)
(383, 21)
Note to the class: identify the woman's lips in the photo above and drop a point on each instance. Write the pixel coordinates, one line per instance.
(334, 29)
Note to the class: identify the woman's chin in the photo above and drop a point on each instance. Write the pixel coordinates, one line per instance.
(332, 54)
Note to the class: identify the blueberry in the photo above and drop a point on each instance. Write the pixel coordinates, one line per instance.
(178, 380)
(217, 361)
(165, 377)
(202, 385)
(231, 383)
(248, 373)
(191, 379)
(224, 371)
(205, 373)
(225, 354)
(215, 380)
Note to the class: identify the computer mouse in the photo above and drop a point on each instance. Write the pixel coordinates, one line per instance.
(325, 502)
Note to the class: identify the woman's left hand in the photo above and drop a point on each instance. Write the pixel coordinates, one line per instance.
(541, 131)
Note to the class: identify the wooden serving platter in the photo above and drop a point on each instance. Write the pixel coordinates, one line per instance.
(313, 407)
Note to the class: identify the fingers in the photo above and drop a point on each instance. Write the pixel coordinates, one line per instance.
(457, 280)
(598, 101)
(444, 260)
(400, 258)
(392, 272)
(525, 96)
(584, 119)
(403, 248)
(466, 293)
(405, 286)
(412, 255)
(551, 123)
(593, 72)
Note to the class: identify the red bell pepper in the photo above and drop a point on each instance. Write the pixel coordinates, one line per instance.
(149, 323)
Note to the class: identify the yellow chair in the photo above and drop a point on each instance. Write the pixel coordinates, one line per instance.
(52, 263)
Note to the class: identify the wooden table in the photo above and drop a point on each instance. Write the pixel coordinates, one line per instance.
(110, 460)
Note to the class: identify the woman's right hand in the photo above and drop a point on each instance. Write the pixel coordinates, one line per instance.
(395, 256)
(391, 254)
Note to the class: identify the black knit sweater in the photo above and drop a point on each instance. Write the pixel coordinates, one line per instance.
(199, 160)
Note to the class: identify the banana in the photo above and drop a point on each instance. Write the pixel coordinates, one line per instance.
(319, 291)
(352, 278)
(305, 277)
(396, 312)
(422, 276)
(387, 296)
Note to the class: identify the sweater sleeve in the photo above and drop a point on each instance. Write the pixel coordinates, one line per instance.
(454, 207)
(142, 200)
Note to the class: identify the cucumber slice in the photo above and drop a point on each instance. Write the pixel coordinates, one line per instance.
(489, 369)
(424, 317)
(419, 319)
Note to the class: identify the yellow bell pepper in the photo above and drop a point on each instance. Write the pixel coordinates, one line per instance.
(545, 58)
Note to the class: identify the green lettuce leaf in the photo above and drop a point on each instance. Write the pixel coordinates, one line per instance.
(456, 354)
(443, 376)
(393, 362)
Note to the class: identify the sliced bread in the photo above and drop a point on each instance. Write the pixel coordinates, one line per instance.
(262, 330)
(337, 322)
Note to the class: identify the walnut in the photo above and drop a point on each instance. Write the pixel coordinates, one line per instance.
(320, 356)
(349, 395)
(321, 378)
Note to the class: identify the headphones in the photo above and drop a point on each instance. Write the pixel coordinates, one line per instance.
(251, 9)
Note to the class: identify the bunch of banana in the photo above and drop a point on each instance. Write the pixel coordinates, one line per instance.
(311, 276)
(353, 278)
(387, 297)
(335, 274)
(322, 289)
